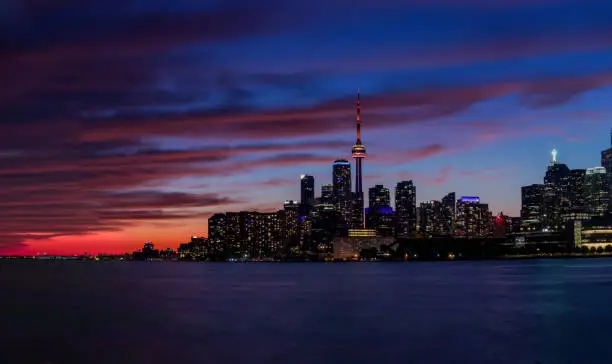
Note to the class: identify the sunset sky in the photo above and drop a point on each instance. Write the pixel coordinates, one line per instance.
(124, 121)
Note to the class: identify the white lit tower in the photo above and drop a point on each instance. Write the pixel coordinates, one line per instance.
(359, 153)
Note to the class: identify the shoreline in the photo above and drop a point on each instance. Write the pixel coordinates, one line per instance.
(499, 258)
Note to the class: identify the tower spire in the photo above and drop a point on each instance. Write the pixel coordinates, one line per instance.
(358, 117)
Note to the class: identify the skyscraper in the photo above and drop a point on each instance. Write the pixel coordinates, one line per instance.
(307, 189)
(379, 197)
(596, 190)
(431, 218)
(448, 211)
(473, 218)
(342, 188)
(576, 190)
(556, 194)
(292, 222)
(532, 207)
(359, 153)
(606, 162)
(327, 193)
(379, 214)
(405, 209)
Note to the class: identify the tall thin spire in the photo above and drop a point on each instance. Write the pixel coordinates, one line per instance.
(358, 117)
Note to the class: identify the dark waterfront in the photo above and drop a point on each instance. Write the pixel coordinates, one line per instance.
(552, 311)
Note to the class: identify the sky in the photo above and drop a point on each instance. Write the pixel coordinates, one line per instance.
(127, 121)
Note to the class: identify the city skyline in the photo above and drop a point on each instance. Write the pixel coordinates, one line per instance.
(139, 129)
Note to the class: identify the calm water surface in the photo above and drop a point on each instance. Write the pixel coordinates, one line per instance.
(552, 311)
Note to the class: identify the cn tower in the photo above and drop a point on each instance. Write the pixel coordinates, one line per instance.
(359, 152)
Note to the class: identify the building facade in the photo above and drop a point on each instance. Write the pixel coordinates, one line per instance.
(532, 207)
(307, 190)
(405, 209)
(596, 191)
(556, 196)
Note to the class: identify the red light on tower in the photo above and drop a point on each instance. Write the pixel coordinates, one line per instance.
(499, 220)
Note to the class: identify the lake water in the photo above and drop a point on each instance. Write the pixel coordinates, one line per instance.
(552, 311)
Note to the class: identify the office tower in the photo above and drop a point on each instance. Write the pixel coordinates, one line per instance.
(473, 218)
(292, 221)
(307, 189)
(358, 152)
(448, 210)
(379, 214)
(327, 194)
(379, 197)
(596, 191)
(576, 190)
(342, 188)
(532, 207)
(431, 218)
(606, 162)
(556, 194)
(405, 209)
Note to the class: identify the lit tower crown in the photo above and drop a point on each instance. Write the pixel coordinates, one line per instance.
(359, 150)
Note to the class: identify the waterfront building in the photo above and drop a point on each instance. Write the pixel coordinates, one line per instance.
(532, 207)
(596, 191)
(405, 209)
(556, 195)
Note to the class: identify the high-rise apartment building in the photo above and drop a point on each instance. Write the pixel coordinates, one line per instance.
(405, 209)
(576, 190)
(473, 218)
(449, 213)
(431, 218)
(606, 162)
(532, 207)
(596, 191)
(342, 189)
(291, 222)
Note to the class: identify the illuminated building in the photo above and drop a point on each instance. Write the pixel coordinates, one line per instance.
(307, 189)
(556, 195)
(327, 194)
(576, 191)
(379, 214)
(502, 226)
(431, 218)
(593, 234)
(448, 210)
(606, 162)
(405, 209)
(292, 222)
(473, 218)
(217, 231)
(596, 191)
(379, 197)
(234, 234)
(350, 247)
(244, 234)
(358, 152)
(342, 188)
(532, 207)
